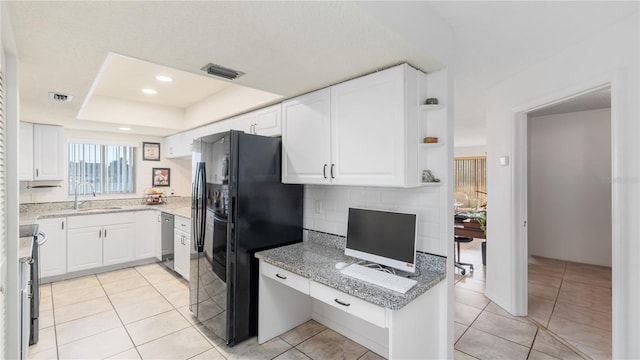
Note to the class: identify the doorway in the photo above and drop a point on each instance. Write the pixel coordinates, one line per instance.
(568, 211)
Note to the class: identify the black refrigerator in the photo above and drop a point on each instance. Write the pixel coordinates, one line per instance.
(239, 207)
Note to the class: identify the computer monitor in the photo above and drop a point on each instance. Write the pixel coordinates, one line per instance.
(383, 237)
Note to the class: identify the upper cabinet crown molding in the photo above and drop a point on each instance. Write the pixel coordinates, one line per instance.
(42, 152)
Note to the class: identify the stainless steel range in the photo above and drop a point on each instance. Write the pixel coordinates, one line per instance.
(30, 285)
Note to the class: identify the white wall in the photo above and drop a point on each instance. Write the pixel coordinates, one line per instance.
(470, 151)
(611, 55)
(180, 169)
(326, 209)
(10, 317)
(569, 185)
(125, 112)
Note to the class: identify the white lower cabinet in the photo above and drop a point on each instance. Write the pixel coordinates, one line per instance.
(84, 248)
(98, 240)
(181, 252)
(53, 253)
(118, 243)
(181, 245)
(148, 238)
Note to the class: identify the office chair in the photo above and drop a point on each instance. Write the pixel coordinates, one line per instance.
(456, 261)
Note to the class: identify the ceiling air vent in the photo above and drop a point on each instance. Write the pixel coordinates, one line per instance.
(60, 97)
(217, 70)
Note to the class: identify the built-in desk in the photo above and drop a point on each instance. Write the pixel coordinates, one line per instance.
(299, 282)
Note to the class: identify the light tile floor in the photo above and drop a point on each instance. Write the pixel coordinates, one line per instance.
(142, 313)
(569, 313)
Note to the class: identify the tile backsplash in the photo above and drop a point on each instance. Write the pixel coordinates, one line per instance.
(326, 209)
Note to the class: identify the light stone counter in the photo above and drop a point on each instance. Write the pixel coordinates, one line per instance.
(180, 208)
(316, 260)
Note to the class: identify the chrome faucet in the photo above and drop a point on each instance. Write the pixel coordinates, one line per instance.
(75, 200)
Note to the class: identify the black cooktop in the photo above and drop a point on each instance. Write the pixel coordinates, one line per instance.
(28, 230)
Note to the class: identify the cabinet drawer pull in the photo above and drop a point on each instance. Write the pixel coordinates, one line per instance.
(341, 303)
(324, 171)
(281, 277)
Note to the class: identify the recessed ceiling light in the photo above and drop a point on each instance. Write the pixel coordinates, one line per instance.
(150, 91)
(125, 128)
(164, 78)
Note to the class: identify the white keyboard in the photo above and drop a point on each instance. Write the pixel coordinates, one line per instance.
(380, 278)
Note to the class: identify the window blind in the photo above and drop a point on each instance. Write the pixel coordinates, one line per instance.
(471, 177)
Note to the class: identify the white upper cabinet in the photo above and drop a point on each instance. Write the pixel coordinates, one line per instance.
(26, 151)
(48, 152)
(306, 139)
(177, 146)
(360, 132)
(244, 122)
(268, 121)
(41, 152)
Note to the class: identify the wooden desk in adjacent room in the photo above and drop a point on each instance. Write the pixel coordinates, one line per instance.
(471, 228)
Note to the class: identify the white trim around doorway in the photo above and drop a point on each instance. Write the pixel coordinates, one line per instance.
(519, 196)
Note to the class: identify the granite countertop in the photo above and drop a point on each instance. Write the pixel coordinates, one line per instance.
(180, 209)
(317, 262)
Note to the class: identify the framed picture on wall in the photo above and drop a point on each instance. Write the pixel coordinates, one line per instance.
(161, 177)
(151, 151)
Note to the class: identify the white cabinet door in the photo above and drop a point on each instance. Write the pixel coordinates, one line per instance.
(26, 151)
(368, 130)
(268, 121)
(181, 254)
(244, 122)
(148, 240)
(118, 243)
(306, 138)
(53, 253)
(177, 146)
(48, 152)
(84, 248)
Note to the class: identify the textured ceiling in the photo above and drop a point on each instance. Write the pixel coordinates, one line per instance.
(289, 48)
(286, 48)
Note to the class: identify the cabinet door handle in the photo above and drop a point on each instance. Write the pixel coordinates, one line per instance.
(105, 233)
(37, 173)
(62, 225)
(281, 277)
(341, 303)
(100, 233)
(324, 171)
(332, 167)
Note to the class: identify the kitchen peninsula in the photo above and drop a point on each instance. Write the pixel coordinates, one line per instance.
(300, 282)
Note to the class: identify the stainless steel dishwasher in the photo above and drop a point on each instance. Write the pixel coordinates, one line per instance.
(167, 240)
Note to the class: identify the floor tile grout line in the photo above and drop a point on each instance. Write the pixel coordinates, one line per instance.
(533, 342)
(121, 322)
(559, 338)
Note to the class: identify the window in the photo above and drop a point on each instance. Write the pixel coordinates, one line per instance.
(471, 177)
(109, 168)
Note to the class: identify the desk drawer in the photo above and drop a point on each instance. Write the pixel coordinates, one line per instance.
(285, 277)
(182, 224)
(350, 304)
